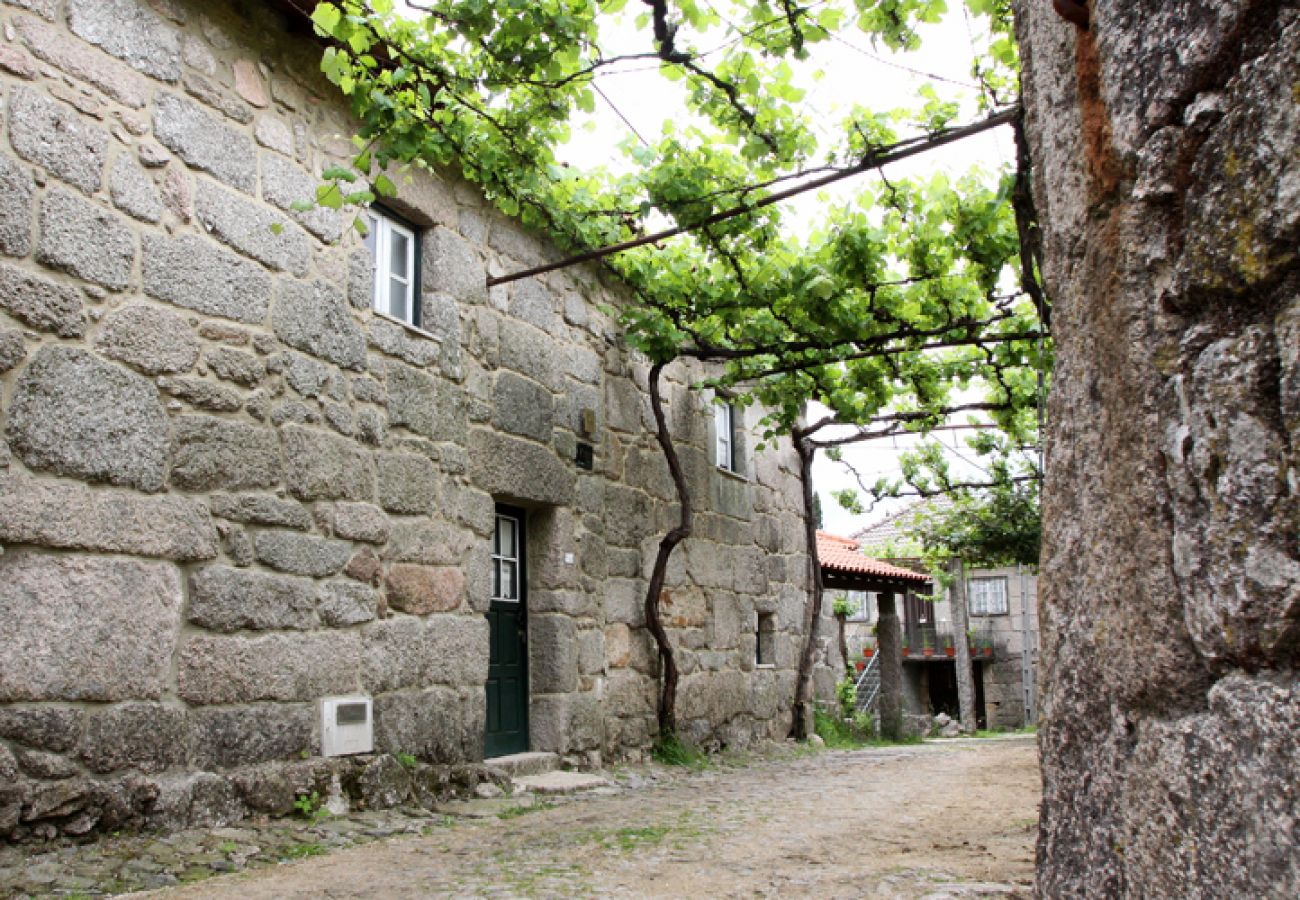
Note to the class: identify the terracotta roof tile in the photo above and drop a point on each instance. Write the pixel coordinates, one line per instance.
(840, 555)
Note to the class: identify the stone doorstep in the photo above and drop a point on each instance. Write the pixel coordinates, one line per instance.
(518, 764)
(553, 783)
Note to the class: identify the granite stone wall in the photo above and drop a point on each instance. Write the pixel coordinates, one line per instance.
(228, 488)
(1167, 182)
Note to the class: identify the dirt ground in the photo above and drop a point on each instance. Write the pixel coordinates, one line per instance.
(953, 819)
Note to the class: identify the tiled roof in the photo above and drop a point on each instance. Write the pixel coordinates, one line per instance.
(841, 556)
(891, 530)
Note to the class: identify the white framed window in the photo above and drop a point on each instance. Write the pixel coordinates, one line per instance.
(988, 596)
(394, 250)
(861, 606)
(505, 559)
(724, 429)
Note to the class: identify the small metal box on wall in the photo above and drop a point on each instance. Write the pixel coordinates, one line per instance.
(346, 726)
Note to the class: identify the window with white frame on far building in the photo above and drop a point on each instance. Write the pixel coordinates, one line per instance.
(988, 596)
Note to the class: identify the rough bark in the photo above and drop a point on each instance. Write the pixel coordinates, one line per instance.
(1168, 185)
(654, 621)
(965, 672)
(801, 726)
(889, 644)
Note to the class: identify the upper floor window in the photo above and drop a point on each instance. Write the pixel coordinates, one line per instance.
(988, 596)
(395, 249)
(724, 429)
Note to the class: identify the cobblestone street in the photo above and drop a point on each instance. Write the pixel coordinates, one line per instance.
(952, 819)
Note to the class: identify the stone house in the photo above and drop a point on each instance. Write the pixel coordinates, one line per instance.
(1003, 616)
(251, 462)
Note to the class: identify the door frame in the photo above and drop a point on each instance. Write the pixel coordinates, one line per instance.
(520, 607)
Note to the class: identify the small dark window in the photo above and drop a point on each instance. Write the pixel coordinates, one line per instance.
(726, 452)
(394, 247)
(765, 647)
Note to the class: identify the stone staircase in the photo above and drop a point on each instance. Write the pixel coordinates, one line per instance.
(533, 776)
(540, 773)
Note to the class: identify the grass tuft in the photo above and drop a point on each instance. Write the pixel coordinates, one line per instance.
(671, 750)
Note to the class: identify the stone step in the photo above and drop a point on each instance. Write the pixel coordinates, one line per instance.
(518, 764)
(553, 783)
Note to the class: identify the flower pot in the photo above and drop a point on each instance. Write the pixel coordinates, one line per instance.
(868, 652)
(949, 651)
(988, 651)
(859, 666)
(928, 651)
(907, 651)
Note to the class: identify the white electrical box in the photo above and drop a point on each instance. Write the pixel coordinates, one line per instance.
(346, 726)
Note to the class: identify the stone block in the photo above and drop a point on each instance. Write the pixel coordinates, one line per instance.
(260, 509)
(361, 522)
(16, 212)
(86, 240)
(251, 228)
(284, 183)
(563, 723)
(433, 542)
(133, 191)
(47, 8)
(321, 466)
(629, 693)
(247, 735)
(132, 32)
(13, 350)
(618, 645)
(76, 415)
(451, 265)
(226, 599)
(216, 97)
(192, 272)
(408, 484)
(508, 467)
(53, 728)
(627, 408)
(212, 671)
(421, 590)
(530, 352)
(40, 303)
(86, 629)
(531, 302)
(148, 737)
(428, 406)
(569, 602)
(202, 394)
(274, 134)
(57, 138)
(396, 340)
(725, 623)
(440, 725)
(209, 454)
(242, 368)
(522, 407)
(205, 142)
(151, 340)
(314, 318)
(407, 652)
(74, 517)
(344, 603)
(308, 376)
(56, 47)
(302, 554)
(552, 654)
(625, 601)
(591, 652)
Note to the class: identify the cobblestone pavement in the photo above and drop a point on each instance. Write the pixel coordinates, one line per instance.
(943, 819)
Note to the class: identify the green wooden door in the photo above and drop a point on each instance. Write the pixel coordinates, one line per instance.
(507, 682)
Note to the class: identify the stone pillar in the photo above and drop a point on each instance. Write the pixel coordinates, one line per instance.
(965, 672)
(889, 642)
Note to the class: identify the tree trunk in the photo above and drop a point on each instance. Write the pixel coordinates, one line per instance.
(1163, 141)
(889, 644)
(965, 670)
(801, 726)
(841, 621)
(653, 619)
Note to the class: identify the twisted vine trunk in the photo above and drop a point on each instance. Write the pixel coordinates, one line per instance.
(801, 727)
(667, 544)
